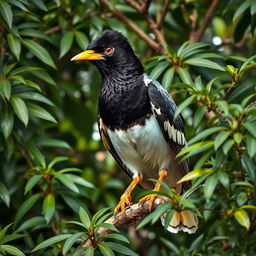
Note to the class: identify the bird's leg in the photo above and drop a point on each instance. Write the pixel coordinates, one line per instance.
(151, 198)
(125, 199)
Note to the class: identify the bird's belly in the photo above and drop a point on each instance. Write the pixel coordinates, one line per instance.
(142, 149)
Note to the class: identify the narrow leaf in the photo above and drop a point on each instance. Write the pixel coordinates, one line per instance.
(5, 89)
(204, 63)
(51, 241)
(12, 250)
(39, 52)
(66, 43)
(40, 112)
(81, 40)
(20, 109)
(6, 12)
(32, 182)
(6, 122)
(66, 181)
(195, 174)
(121, 249)
(183, 105)
(219, 140)
(49, 207)
(4, 230)
(105, 250)
(242, 218)
(70, 241)
(84, 217)
(14, 44)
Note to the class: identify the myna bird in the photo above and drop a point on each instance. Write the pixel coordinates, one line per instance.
(136, 123)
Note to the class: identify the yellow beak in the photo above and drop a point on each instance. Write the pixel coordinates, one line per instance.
(88, 55)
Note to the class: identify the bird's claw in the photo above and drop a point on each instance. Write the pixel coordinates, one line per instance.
(125, 201)
(151, 199)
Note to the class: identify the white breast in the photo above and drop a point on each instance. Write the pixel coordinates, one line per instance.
(142, 149)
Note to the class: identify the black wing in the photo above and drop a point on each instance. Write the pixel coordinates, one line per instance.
(108, 145)
(164, 109)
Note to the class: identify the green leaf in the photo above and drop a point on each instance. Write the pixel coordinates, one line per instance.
(54, 143)
(51, 241)
(191, 49)
(168, 77)
(204, 134)
(89, 251)
(12, 250)
(78, 180)
(204, 63)
(63, 178)
(195, 174)
(241, 9)
(228, 145)
(39, 52)
(36, 97)
(184, 76)
(219, 140)
(49, 207)
(5, 89)
(40, 4)
(107, 226)
(159, 211)
(250, 128)
(183, 105)
(38, 111)
(6, 122)
(98, 215)
(70, 241)
(117, 237)
(170, 245)
(105, 250)
(36, 154)
(20, 109)
(84, 217)
(251, 145)
(121, 249)
(157, 71)
(196, 148)
(249, 207)
(58, 160)
(242, 218)
(32, 182)
(31, 223)
(81, 40)
(209, 187)
(66, 43)
(6, 12)
(14, 44)
(26, 206)
(20, 70)
(223, 178)
(3, 231)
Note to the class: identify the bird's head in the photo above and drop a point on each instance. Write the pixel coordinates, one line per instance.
(110, 52)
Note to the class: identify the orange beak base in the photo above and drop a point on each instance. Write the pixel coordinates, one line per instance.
(88, 55)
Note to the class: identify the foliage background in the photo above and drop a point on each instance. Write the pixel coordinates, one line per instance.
(52, 161)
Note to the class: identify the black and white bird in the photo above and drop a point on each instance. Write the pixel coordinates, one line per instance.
(136, 123)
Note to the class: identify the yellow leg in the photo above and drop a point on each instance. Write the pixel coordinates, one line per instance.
(151, 198)
(125, 199)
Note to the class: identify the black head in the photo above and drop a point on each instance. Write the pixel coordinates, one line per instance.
(111, 53)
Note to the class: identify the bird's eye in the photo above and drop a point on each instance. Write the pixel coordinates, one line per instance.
(108, 50)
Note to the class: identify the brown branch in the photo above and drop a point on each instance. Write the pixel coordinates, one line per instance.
(163, 14)
(52, 30)
(131, 217)
(119, 15)
(195, 36)
(152, 24)
(25, 154)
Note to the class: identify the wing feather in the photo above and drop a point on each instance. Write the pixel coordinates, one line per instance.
(164, 109)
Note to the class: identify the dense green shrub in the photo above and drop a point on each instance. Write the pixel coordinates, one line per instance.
(56, 178)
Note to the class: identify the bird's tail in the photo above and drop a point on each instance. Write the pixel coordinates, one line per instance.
(184, 220)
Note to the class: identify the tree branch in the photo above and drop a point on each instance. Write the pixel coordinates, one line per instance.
(195, 36)
(133, 214)
(119, 15)
(163, 14)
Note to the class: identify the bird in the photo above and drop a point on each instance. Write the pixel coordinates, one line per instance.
(136, 123)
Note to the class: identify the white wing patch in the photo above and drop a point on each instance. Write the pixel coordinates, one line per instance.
(174, 134)
(155, 109)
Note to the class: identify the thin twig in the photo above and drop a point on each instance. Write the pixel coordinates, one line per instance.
(25, 154)
(163, 14)
(251, 104)
(133, 214)
(119, 15)
(195, 36)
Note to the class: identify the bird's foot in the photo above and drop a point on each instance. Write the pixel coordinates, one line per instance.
(151, 198)
(125, 200)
